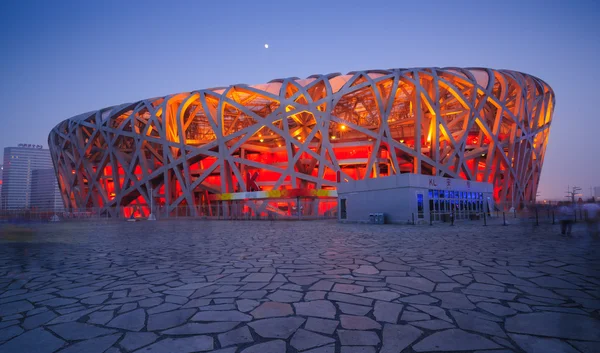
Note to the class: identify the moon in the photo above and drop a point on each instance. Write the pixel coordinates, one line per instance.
(266, 46)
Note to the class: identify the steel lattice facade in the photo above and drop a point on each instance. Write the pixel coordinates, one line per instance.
(476, 124)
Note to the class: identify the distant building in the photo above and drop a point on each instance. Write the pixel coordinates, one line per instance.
(19, 164)
(45, 194)
(1, 169)
(597, 193)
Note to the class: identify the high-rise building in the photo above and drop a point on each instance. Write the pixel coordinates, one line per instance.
(19, 164)
(1, 169)
(45, 194)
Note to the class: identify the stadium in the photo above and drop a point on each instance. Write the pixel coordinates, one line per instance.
(282, 147)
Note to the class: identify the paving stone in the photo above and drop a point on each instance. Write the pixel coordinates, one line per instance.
(169, 319)
(321, 325)
(532, 344)
(304, 339)
(277, 327)
(434, 275)
(37, 340)
(586, 347)
(163, 308)
(434, 311)
(324, 349)
(358, 323)
(398, 337)
(454, 300)
(10, 332)
(348, 298)
(272, 309)
(238, 336)
(100, 317)
(477, 324)
(358, 349)
(180, 345)
(8, 323)
(497, 309)
(276, 346)
(387, 312)
(446, 287)
(553, 282)
(94, 345)
(322, 286)
(258, 277)
(317, 308)
(15, 307)
(72, 331)
(380, 295)
(358, 338)
(127, 307)
(453, 340)
(433, 324)
(418, 299)
(226, 315)
(354, 309)
(217, 307)
(198, 329)
(348, 288)
(418, 283)
(413, 316)
(524, 308)
(558, 325)
(135, 340)
(132, 321)
(285, 296)
(246, 305)
(37, 320)
(314, 295)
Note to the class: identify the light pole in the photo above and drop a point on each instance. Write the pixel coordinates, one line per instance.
(152, 217)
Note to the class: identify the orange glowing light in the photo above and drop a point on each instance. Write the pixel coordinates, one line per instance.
(343, 127)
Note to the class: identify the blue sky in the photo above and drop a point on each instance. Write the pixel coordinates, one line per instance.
(62, 58)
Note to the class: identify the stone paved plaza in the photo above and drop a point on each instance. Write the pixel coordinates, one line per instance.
(318, 287)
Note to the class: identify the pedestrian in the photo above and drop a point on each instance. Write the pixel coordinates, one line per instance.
(592, 217)
(565, 216)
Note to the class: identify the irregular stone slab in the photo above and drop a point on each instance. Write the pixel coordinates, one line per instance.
(150, 302)
(169, 319)
(277, 346)
(358, 349)
(303, 281)
(10, 332)
(490, 294)
(322, 285)
(398, 337)
(17, 307)
(303, 340)
(354, 309)
(497, 309)
(37, 340)
(180, 345)
(366, 270)
(245, 305)
(489, 287)
(253, 294)
(387, 312)
(586, 347)
(135, 340)
(358, 338)
(73, 331)
(348, 298)
(321, 325)
(315, 295)
(477, 324)
(418, 283)
(227, 315)
(32, 322)
(194, 328)
(272, 309)
(414, 316)
(317, 308)
(531, 344)
(94, 345)
(285, 296)
(418, 299)
(388, 266)
(347, 288)
(380, 295)
(132, 321)
(238, 336)
(553, 324)
(454, 300)
(553, 282)
(434, 311)
(359, 323)
(100, 317)
(509, 279)
(433, 324)
(163, 308)
(258, 277)
(325, 349)
(277, 327)
(453, 340)
(434, 275)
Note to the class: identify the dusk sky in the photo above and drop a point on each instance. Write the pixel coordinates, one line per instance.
(62, 58)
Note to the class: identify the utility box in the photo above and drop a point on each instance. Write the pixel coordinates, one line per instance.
(376, 218)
